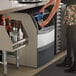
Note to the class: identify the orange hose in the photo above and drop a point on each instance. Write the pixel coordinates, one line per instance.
(52, 13)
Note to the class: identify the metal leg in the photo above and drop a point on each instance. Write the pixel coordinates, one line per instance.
(17, 59)
(5, 62)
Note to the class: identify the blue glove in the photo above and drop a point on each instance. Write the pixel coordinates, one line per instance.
(40, 16)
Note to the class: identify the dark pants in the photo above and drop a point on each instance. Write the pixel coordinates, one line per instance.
(71, 41)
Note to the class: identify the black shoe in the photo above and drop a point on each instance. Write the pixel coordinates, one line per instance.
(71, 69)
(65, 63)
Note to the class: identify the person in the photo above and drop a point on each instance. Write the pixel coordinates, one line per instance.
(53, 11)
(70, 21)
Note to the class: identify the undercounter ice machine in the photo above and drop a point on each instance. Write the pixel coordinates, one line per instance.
(45, 39)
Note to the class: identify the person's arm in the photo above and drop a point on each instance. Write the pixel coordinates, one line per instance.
(55, 8)
(46, 5)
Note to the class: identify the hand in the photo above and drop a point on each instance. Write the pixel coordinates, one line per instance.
(44, 23)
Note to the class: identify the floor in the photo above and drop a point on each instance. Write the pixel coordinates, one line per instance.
(26, 71)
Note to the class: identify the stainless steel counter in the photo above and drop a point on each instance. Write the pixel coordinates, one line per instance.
(11, 6)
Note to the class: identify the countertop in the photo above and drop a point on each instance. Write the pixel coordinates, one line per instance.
(7, 6)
